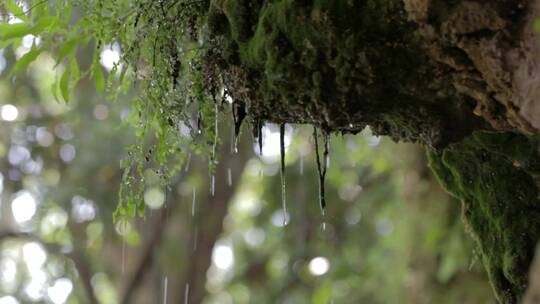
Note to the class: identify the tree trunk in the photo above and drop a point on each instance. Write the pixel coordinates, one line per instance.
(460, 77)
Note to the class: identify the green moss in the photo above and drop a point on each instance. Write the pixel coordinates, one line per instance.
(496, 175)
(338, 64)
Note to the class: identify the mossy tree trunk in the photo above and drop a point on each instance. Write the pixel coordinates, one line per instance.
(458, 76)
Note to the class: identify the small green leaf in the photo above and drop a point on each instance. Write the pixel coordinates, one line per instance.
(54, 89)
(46, 23)
(64, 83)
(131, 210)
(40, 10)
(16, 30)
(537, 25)
(97, 74)
(67, 49)
(140, 209)
(25, 60)
(75, 73)
(15, 9)
(7, 42)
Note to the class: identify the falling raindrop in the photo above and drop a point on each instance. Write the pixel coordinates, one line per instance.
(199, 122)
(260, 137)
(188, 161)
(123, 255)
(239, 113)
(213, 186)
(301, 164)
(321, 169)
(229, 177)
(165, 283)
(193, 203)
(186, 294)
(213, 178)
(195, 238)
(215, 133)
(232, 134)
(282, 171)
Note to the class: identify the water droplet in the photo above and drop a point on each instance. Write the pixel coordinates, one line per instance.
(123, 255)
(215, 132)
(301, 164)
(165, 283)
(195, 238)
(260, 138)
(186, 294)
(321, 169)
(188, 161)
(213, 186)
(282, 171)
(193, 203)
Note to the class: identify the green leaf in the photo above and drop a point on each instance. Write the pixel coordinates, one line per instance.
(97, 74)
(54, 89)
(67, 49)
(131, 209)
(39, 10)
(140, 209)
(64, 83)
(6, 42)
(16, 30)
(47, 23)
(25, 60)
(75, 73)
(537, 25)
(15, 9)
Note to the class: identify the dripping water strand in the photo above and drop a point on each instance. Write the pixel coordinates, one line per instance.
(238, 114)
(213, 186)
(195, 238)
(199, 122)
(321, 169)
(233, 131)
(165, 283)
(301, 163)
(229, 177)
(193, 203)
(214, 162)
(234, 143)
(186, 294)
(188, 161)
(123, 255)
(282, 171)
(260, 137)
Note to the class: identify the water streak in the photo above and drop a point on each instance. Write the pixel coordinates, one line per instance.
(321, 168)
(282, 171)
(193, 203)
(188, 161)
(213, 186)
(229, 177)
(301, 164)
(123, 255)
(195, 238)
(186, 294)
(165, 283)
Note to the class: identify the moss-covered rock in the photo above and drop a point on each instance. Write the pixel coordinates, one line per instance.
(497, 175)
(427, 71)
(341, 65)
